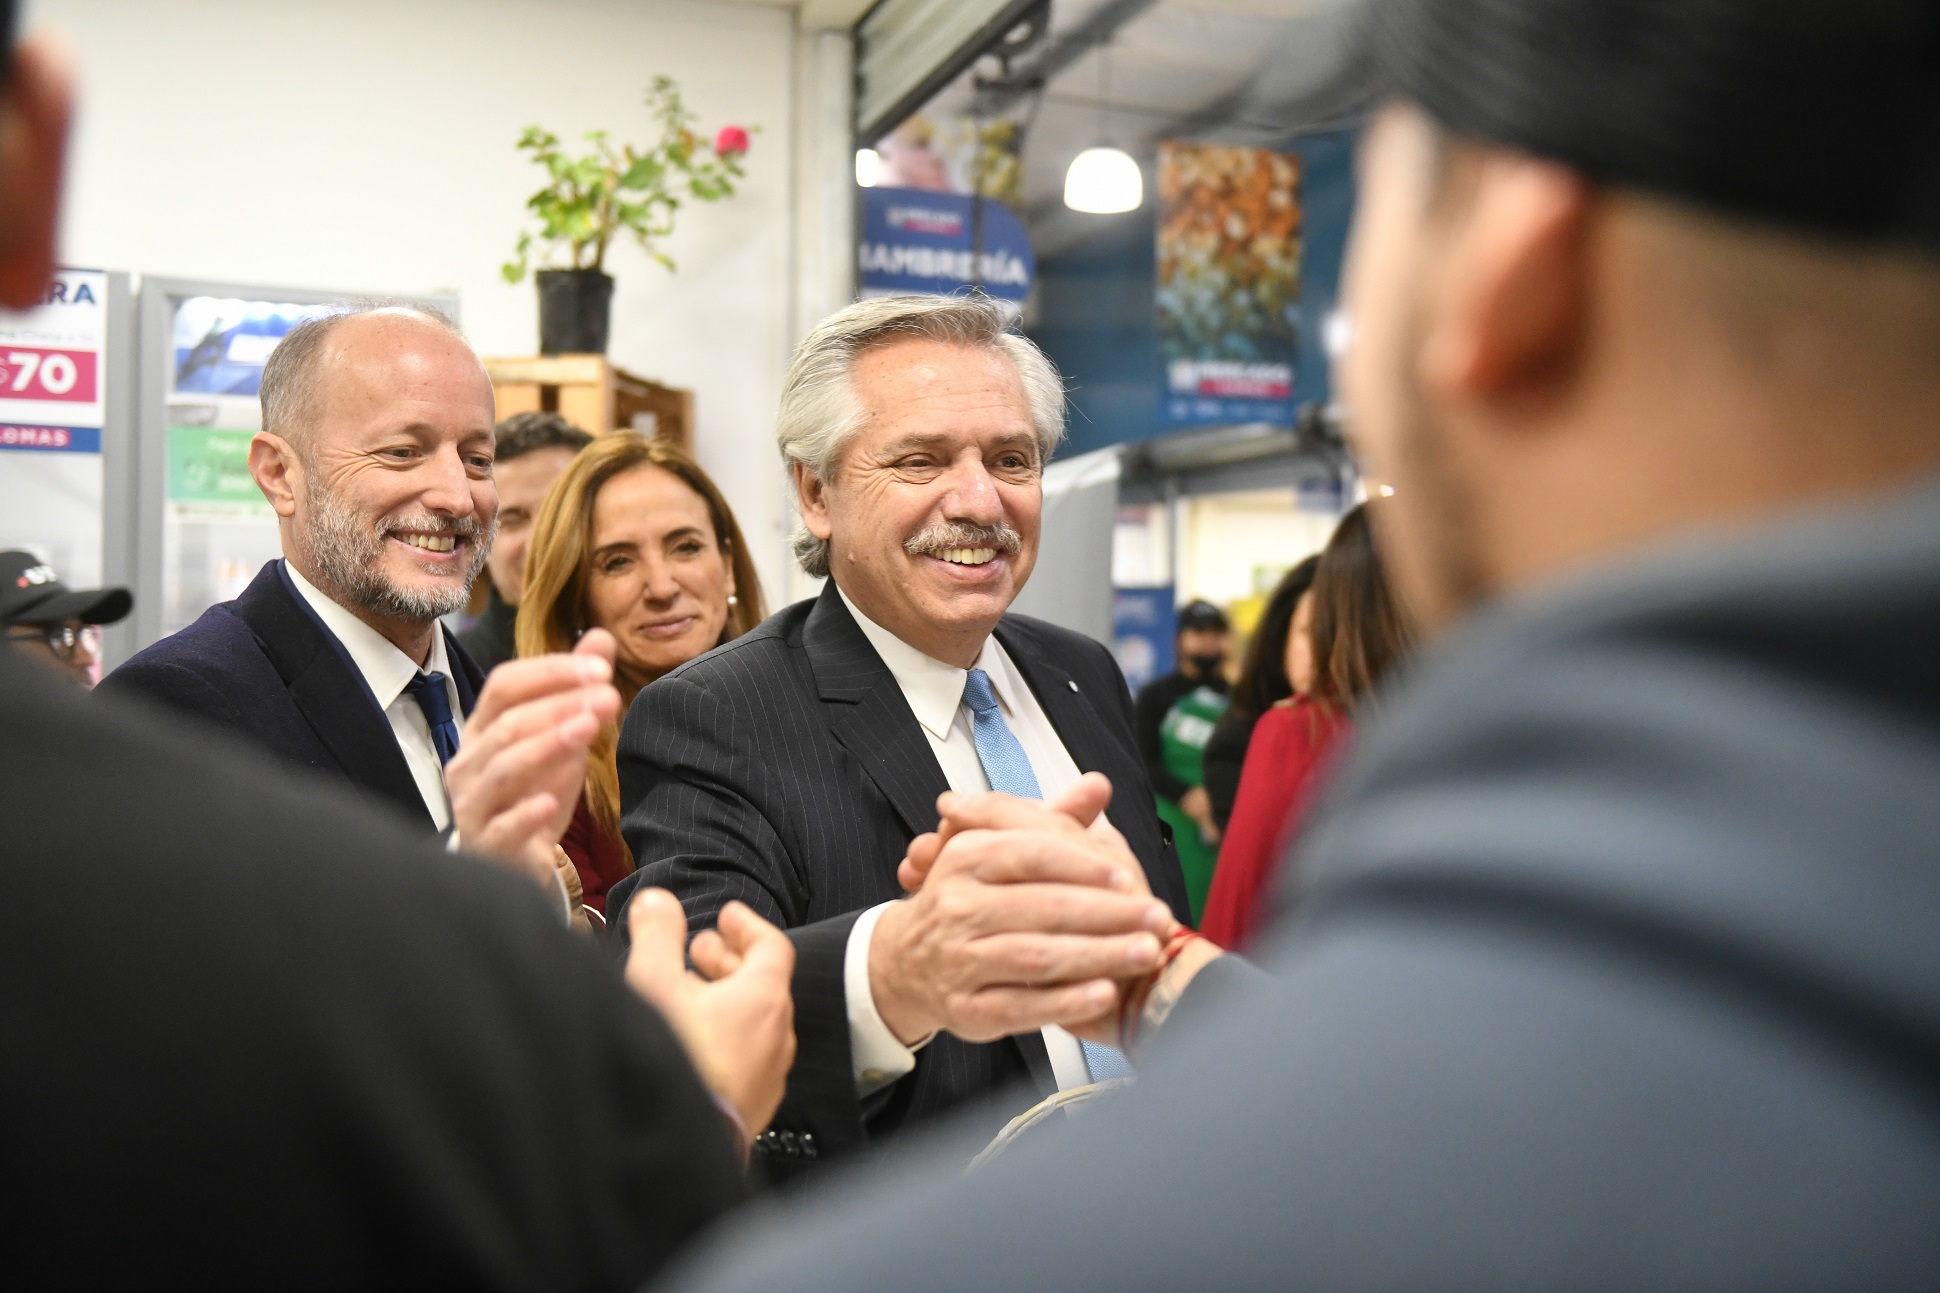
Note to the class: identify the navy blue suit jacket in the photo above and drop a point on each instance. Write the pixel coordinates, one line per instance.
(266, 668)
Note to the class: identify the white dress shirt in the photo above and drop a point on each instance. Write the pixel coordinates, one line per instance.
(386, 670)
(934, 691)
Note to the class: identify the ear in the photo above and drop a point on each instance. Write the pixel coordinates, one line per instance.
(273, 463)
(1512, 315)
(812, 495)
(33, 151)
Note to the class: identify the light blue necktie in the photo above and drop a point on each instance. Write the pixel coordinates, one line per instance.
(1009, 770)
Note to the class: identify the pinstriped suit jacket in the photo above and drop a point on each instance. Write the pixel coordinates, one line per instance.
(786, 769)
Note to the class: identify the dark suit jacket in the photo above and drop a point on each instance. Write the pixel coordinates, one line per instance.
(265, 668)
(1617, 966)
(291, 1044)
(786, 769)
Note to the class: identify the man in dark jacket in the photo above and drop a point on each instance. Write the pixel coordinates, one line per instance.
(1617, 960)
(532, 449)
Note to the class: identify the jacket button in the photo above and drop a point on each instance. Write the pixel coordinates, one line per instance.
(808, 1145)
(789, 1145)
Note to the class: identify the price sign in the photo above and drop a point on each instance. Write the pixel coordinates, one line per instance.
(50, 367)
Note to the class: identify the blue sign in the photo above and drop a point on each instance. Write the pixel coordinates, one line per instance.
(58, 439)
(914, 240)
(1145, 622)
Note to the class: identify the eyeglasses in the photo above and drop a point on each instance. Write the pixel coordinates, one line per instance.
(61, 639)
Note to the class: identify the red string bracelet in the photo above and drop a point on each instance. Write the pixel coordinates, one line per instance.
(1131, 1007)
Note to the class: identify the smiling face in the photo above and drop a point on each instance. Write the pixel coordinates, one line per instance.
(660, 579)
(932, 516)
(387, 497)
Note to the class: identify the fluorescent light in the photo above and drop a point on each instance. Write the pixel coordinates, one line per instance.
(1103, 181)
(868, 167)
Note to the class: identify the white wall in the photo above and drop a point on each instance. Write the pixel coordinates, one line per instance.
(367, 145)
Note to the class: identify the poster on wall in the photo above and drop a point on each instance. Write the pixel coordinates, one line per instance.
(53, 378)
(217, 529)
(1227, 294)
(916, 240)
(1144, 624)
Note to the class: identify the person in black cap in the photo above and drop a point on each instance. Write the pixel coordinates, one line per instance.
(1173, 718)
(1615, 957)
(51, 623)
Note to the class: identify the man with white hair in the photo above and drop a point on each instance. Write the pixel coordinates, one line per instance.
(376, 452)
(793, 767)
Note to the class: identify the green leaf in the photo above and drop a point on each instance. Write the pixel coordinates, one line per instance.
(643, 174)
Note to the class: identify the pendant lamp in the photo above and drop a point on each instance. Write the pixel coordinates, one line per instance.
(1103, 180)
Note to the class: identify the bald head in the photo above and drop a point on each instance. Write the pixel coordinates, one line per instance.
(298, 378)
(377, 454)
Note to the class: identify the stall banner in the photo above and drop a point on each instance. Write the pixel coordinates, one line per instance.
(1228, 285)
(915, 240)
(51, 366)
(1144, 623)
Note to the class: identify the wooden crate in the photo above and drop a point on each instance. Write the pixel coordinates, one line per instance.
(591, 392)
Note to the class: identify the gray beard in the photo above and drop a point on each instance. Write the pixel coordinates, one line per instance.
(347, 552)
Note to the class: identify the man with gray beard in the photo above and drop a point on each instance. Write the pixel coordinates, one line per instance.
(793, 767)
(376, 452)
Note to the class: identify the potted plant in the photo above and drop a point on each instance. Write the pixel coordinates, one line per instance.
(591, 199)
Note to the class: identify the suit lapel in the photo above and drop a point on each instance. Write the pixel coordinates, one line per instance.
(329, 691)
(869, 716)
(466, 676)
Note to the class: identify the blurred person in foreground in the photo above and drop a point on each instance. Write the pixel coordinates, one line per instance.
(637, 540)
(293, 1043)
(1616, 958)
(1263, 682)
(52, 624)
(1347, 635)
(531, 450)
(1174, 718)
(792, 767)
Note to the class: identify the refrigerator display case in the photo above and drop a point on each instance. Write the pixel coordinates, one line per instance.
(204, 528)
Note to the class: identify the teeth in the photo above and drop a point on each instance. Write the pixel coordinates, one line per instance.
(967, 556)
(431, 542)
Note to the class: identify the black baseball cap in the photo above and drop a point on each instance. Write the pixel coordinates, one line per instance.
(31, 593)
(1202, 615)
(1822, 116)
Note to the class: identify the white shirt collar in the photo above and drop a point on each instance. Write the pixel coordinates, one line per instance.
(934, 689)
(385, 668)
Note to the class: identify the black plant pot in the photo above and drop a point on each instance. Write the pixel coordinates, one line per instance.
(575, 311)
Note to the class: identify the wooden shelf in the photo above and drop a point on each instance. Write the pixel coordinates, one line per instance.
(591, 392)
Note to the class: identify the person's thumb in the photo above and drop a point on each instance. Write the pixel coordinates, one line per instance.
(761, 946)
(657, 961)
(1086, 799)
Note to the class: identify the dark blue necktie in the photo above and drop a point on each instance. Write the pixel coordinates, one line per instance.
(428, 689)
(1008, 768)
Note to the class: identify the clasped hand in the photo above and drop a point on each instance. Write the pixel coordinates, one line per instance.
(521, 761)
(1022, 914)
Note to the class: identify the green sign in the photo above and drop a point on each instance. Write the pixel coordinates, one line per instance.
(210, 465)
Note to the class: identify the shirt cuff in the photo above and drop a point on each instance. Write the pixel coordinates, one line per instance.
(878, 1058)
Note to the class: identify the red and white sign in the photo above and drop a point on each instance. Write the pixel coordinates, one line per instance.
(50, 363)
(32, 374)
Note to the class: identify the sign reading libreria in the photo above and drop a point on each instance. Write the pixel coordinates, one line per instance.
(914, 240)
(1228, 292)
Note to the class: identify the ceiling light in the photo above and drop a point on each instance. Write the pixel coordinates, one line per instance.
(868, 167)
(1103, 181)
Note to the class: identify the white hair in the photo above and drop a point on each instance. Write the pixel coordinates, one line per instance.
(820, 411)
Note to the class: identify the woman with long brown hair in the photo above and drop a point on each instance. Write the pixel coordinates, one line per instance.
(1348, 632)
(633, 538)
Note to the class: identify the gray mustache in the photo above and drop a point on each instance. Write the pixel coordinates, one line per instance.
(940, 537)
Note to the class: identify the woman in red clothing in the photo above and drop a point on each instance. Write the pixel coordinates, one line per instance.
(1348, 631)
(633, 538)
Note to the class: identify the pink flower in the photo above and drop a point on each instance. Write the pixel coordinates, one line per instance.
(732, 140)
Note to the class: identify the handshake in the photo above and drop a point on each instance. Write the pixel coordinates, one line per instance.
(1020, 914)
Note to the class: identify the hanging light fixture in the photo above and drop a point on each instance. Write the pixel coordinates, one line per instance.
(868, 167)
(1103, 180)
